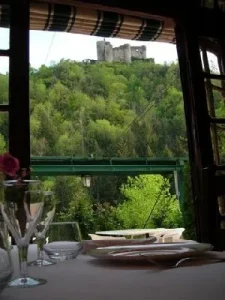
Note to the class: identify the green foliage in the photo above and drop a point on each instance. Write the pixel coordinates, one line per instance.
(4, 85)
(2, 144)
(74, 203)
(188, 206)
(146, 193)
(105, 217)
(4, 131)
(107, 109)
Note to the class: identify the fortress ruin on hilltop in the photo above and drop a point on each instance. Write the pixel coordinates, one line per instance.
(124, 53)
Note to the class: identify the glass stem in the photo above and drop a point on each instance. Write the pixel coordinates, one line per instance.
(23, 251)
(40, 243)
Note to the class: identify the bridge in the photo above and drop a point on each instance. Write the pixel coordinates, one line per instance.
(113, 166)
(52, 166)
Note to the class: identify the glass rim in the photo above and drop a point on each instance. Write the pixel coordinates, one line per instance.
(11, 182)
(45, 193)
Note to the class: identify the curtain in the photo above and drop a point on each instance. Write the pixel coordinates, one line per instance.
(81, 20)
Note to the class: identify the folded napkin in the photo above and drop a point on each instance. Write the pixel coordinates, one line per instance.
(93, 244)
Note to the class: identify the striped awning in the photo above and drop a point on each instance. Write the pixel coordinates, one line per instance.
(81, 20)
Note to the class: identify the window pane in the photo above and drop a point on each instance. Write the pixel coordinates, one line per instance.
(4, 125)
(4, 38)
(103, 108)
(4, 80)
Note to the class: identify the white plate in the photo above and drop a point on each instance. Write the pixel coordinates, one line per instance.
(153, 251)
(153, 254)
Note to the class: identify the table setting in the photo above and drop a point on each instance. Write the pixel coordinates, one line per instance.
(49, 260)
(139, 268)
(88, 277)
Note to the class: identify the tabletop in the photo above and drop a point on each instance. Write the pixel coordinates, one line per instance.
(86, 278)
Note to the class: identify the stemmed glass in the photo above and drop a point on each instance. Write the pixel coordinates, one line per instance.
(4, 236)
(42, 227)
(6, 269)
(21, 194)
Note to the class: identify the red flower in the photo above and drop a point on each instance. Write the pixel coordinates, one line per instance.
(9, 164)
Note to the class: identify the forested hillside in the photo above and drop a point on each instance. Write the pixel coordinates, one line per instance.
(107, 110)
(103, 110)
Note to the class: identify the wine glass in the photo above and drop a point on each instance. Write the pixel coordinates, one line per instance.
(5, 238)
(5, 269)
(42, 227)
(63, 241)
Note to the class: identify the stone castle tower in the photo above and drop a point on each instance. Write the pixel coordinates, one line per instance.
(124, 53)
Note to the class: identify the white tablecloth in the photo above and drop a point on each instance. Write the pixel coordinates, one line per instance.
(87, 278)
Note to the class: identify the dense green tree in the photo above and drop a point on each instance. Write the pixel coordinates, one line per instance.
(149, 195)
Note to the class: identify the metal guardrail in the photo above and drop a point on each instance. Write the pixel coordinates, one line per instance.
(53, 166)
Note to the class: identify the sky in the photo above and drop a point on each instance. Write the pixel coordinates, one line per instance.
(48, 47)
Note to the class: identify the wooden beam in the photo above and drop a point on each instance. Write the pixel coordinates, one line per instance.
(19, 113)
(198, 131)
(213, 76)
(4, 52)
(217, 120)
(4, 107)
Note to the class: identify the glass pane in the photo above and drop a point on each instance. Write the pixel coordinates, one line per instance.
(219, 140)
(214, 92)
(4, 127)
(210, 4)
(104, 108)
(4, 38)
(219, 99)
(4, 80)
(207, 3)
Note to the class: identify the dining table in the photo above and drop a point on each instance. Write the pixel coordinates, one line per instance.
(88, 278)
